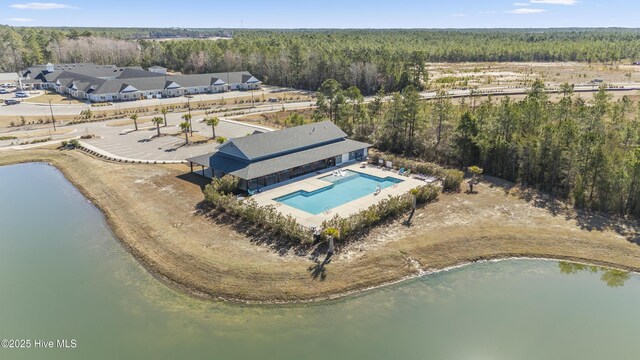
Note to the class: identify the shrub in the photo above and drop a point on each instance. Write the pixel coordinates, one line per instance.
(74, 143)
(64, 143)
(387, 209)
(425, 194)
(266, 216)
(221, 139)
(333, 232)
(475, 170)
(87, 114)
(452, 180)
(225, 185)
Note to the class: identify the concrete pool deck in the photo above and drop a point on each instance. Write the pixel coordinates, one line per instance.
(312, 182)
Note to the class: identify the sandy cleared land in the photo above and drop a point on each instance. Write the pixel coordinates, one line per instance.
(152, 209)
(556, 72)
(274, 118)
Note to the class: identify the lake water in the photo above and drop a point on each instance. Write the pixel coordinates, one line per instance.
(64, 276)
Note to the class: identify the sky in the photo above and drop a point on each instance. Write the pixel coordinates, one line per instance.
(324, 13)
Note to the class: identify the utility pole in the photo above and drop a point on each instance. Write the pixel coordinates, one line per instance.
(190, 122)
(53, 120)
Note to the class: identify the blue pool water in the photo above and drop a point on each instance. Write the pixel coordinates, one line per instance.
(353, 185)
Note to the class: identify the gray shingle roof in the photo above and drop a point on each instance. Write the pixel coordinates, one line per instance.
(131, 73)
(88, 76)
(85, 69)
(272, 143)
(201, 159)
(251, 170)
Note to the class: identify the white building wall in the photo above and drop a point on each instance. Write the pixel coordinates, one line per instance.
(248, 86)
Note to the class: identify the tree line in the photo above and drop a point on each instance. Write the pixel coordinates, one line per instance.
(583, 151)
(371, 60)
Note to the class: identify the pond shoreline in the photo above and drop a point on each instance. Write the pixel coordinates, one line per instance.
(392, 262)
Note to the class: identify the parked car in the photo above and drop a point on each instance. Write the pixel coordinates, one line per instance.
(11, 102)
(4, 91)
(21, 94)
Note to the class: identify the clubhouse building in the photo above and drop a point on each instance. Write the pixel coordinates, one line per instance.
(263, 159)
(102, 83)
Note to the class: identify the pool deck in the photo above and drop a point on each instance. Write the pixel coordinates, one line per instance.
(312, 182)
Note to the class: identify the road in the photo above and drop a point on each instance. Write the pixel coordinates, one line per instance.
(142, 145)
(26, 108)
(551, 89)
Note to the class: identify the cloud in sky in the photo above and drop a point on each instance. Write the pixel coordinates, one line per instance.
(525, 11)
(555, 2)
(41, 6)
(521, 4)
(19, 19)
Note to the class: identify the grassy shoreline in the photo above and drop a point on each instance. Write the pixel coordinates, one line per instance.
(151, 210)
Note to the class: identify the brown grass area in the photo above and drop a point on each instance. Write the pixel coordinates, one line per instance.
(55, 99)
(128, 122)
(274, 119)
(512, 73)
(153, 210)
(42, 133)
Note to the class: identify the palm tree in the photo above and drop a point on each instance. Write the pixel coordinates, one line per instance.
(184, 126)
(134, 117)
(164, 113)
(213, 122)
(157, 121)
(187, 118)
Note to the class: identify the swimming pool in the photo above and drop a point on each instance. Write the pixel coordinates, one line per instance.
(343, 189)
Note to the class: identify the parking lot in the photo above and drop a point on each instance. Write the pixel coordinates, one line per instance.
(144, 145)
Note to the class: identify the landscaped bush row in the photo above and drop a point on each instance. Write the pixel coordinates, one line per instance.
(387, 209)
(249, 210)
(451, 178)
(220, 195)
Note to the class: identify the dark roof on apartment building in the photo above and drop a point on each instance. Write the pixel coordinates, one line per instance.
(110, 79)
(86, 69)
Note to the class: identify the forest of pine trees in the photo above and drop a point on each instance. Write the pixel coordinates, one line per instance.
(371, 60)
(587, 152)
